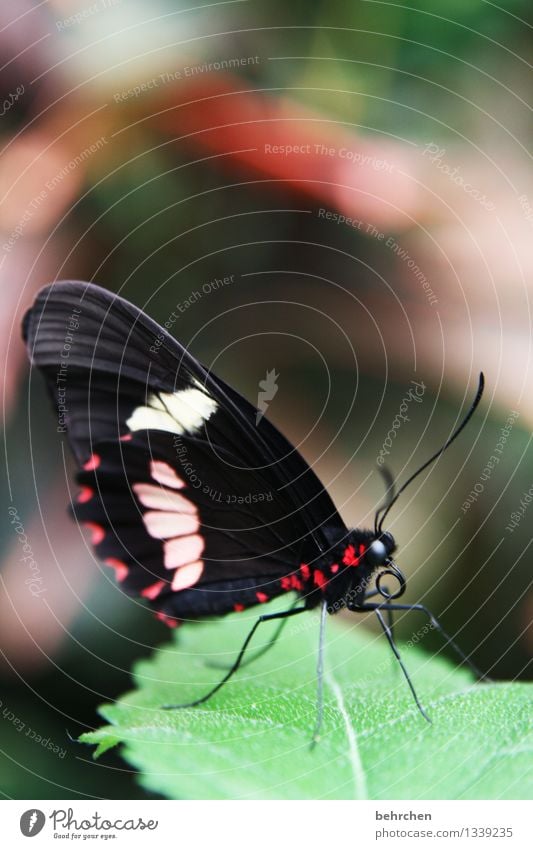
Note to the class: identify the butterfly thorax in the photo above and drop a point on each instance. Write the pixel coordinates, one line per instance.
(341, 576)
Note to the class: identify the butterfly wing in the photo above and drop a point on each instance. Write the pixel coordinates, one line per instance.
(198, 507)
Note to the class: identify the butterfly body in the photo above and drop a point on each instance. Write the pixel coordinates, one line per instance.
(198, 507)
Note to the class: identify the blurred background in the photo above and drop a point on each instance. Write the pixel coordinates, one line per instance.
(340, 191)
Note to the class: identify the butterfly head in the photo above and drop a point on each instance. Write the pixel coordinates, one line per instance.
(380, 549)
(367, 558)
(378, 557)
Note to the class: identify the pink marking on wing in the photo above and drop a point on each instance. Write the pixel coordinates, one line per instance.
(165, 525)
(85, 494)
(165, 474)
(121, 570)
(153, 590)
(188, 575)
(126, 437)
(182, 550)
(261, 597)
(92, 463)
(162, 499)
(97, 532)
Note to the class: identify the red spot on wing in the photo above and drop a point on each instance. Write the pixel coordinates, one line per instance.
(305, 570)
(126, 437)
(153, 590)
(319, 578)
(92, 463)
(168, 620)
(97, 532)
(238, 608)
(85, 494)
(121, 570)
(291, 582)
(262, 597)
(334, 568)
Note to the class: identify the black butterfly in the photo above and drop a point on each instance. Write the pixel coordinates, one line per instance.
(193, 497)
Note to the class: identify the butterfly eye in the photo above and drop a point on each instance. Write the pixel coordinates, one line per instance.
(388, 541)
(376, 553)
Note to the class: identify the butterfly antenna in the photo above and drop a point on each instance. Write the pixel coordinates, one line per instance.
(388, 480)
(437, 454)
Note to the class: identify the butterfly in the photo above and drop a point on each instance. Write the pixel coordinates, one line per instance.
(191, 495)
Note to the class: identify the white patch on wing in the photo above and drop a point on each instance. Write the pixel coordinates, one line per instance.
(187, 576)
(175, 412)
(165, 525)
(158, 498)
(174, 520)
(182, 550)
(165, 474)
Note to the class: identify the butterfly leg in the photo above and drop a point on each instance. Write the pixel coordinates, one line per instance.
(390, 615)
(212, 664)
(377, 608)
(438, 627)
(266, 617)
(320, 676)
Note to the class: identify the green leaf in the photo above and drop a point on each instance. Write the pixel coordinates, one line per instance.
(252, 739)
